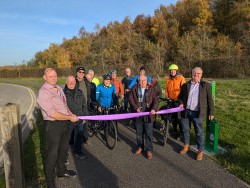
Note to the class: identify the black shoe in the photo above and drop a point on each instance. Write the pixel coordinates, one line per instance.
(52, 185)
(67, 174)
(80, 155)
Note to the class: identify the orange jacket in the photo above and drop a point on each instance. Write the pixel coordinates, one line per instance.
(118, 87)
(173, 86)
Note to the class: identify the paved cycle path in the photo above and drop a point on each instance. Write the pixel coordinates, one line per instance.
(122, 168)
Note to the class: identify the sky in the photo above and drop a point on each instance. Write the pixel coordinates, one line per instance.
(30, 26)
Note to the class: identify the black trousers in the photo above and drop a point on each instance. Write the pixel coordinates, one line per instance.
(56, 133)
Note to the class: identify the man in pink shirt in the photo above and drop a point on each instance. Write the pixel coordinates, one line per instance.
(56, 115)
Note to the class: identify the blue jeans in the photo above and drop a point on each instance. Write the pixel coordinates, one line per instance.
(141, 129)
(193, 116)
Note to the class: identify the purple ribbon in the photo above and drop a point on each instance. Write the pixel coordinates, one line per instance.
(128, 115)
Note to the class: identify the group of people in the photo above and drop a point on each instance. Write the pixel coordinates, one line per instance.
(140, 93)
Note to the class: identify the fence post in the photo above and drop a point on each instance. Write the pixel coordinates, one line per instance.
(12, 143)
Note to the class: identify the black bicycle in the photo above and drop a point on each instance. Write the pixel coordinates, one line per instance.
(109, 127)
(167, 119)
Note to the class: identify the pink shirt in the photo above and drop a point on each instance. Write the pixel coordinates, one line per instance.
(50, 101)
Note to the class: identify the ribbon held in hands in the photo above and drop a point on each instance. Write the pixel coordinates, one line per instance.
(128, 115)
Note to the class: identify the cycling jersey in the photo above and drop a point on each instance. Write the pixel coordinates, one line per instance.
(104, 95)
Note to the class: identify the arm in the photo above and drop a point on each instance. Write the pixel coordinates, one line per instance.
(210, 102)
(133, 82)
(132, 100)
(166, 88)
(121, 89)
(60, 116)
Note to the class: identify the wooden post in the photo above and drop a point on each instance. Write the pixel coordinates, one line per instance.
(12, 144)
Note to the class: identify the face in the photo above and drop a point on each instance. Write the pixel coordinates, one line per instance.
(91, 74)
(71, 82)
(88, 76)
(196, 75)
(143, 71)
(128, 72)
(106, 83)
(154, 79)
(113, 76)
(50, 77)
(173, 72)
(143, 81)
(80, 74)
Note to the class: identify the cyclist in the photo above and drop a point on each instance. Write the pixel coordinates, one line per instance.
(105, 93)
(126, 81)
(118, 86)
(93, 79)
(142, 71)
(172, 90)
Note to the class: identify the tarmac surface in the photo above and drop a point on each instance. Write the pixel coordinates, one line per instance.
(120, 167)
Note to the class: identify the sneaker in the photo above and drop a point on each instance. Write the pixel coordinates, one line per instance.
(199, 156)
(80, 155)
(67, 174)
(185, 149)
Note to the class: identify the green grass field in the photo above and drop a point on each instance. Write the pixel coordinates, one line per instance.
(232, 107)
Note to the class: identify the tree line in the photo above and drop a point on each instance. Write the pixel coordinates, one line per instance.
(213, 34)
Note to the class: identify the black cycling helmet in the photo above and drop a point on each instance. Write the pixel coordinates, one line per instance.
(107, 77)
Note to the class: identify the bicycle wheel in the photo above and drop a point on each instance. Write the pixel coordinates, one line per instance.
(110, 134)
(165, 132)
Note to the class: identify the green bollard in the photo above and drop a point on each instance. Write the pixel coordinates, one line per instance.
(212, 136)
(212, 128)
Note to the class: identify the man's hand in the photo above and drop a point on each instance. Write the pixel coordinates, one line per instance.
(181, 106)
(73, 118)
(153, 112)
(100, 109)
(127, 90)
(138, 110)
(210, 117)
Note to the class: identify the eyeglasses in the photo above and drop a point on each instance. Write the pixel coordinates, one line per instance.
(81, 72)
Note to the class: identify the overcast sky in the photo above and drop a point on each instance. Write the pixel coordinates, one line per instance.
(29, 26)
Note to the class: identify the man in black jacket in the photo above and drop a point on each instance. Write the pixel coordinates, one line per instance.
(83, 84)
(196, 98)
(77, 105)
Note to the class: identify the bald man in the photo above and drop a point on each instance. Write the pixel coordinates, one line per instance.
(56, 115)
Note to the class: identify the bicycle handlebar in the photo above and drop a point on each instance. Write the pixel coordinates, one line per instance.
(165, 99)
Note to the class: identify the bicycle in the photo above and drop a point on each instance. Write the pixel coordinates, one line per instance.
(167, 118)
(109, 127)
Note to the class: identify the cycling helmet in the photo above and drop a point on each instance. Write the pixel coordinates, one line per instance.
(107, 77)
(173, 67)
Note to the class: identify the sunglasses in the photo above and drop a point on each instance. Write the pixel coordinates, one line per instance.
(81, 72)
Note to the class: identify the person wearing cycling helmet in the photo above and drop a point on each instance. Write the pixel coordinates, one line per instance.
(172, 90)
(118, 85)
(105, 93)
